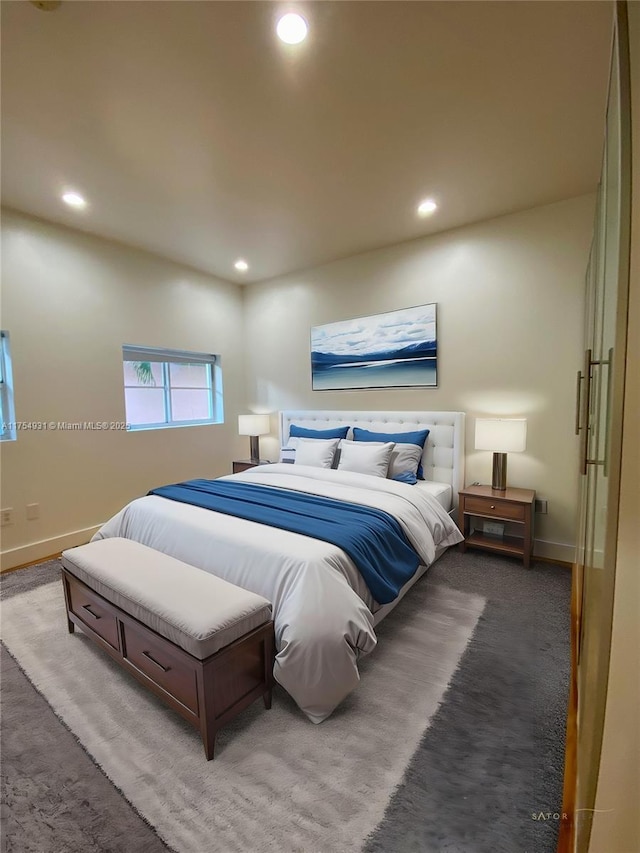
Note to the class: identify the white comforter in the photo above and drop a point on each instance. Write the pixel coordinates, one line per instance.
(322, 607)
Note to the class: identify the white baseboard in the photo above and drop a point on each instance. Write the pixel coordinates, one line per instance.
(44, 548)
(554, 551)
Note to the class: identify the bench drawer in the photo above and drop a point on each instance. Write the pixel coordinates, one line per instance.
(93, 611)
(160, 661)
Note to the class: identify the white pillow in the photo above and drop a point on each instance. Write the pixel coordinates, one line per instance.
(405, 458)
(317, 452)
(363, 457)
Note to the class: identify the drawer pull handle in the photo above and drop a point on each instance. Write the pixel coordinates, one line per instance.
(493, 506)
(87, 607)
(159, 665)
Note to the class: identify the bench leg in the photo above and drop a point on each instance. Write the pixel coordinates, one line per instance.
(208, 728)
(269, 653)
(209, 743)
(65, 586)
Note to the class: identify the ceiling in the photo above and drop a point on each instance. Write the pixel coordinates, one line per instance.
(194, 133)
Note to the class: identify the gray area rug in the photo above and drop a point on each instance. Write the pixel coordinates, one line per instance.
(54, 795)
(276, 777)
(492, 756)
(55, 798)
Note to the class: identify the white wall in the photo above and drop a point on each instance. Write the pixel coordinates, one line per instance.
(69, 302)
(510, 296)
(510, 302)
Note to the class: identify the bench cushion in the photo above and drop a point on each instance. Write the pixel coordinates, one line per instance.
(192, 608)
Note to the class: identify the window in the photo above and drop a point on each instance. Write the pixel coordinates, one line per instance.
(170, 388)
(7, 414)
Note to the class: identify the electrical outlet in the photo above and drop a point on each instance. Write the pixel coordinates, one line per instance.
(33, 512)
(493, 528)
(6, 516)
(541, 506)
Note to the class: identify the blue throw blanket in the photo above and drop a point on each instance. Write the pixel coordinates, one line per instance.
(371, 537)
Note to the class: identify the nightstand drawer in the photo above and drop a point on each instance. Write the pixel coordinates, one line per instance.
(494, 507)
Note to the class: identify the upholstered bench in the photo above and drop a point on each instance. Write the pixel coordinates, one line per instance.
(203, 645)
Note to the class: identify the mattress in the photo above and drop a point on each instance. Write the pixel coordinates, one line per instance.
(442, 492)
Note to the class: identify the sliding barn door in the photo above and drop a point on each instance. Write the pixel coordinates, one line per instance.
(599, 424)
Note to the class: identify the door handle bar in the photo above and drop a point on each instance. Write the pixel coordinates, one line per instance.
(609, 364)
(589, 362)
(579, 379)
(584, 438)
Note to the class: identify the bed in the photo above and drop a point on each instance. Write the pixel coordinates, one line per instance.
(324, 612)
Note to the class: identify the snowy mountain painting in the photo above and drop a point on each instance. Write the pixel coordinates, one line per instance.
(393, 350)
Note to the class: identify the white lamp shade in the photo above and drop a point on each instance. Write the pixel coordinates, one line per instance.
(253, 425)
(501, 435)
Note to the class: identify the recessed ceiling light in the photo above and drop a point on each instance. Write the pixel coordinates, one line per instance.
(241, 266)
(292, 28)
(427, 207)
(74, 200)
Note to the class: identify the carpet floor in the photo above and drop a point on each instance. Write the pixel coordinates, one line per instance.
(461, 774)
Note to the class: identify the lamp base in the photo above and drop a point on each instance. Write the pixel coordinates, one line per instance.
(499, 477)
(254, 445)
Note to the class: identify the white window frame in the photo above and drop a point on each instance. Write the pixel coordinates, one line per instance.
(167, 357)
(8, 429)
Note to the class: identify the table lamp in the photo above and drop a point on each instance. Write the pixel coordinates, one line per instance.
(254, 426)
(503, 436)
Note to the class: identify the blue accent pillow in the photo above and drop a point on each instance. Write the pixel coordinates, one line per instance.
(418, 437)
(406, 477)
(303, 432)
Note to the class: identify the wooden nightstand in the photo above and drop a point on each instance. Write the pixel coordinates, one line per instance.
(240, 465)
(514, 506)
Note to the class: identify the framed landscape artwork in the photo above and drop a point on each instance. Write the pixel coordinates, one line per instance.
(393, 350)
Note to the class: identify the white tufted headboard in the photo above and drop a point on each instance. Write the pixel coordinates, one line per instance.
(443, 458)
